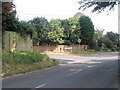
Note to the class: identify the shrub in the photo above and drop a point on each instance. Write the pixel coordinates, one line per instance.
(21, 62)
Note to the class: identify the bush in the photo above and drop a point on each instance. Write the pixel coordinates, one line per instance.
(23, 57)
(21, 62)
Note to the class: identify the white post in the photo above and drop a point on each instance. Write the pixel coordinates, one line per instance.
(79, 46)
(79, 41)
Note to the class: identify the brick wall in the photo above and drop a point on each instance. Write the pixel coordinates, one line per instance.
(60, 48)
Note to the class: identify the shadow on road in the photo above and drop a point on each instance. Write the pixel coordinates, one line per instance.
(106, 70)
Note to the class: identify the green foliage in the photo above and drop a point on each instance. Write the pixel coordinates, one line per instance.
(11, 23)
(66, 31)
(24, 28)
(113, 36)
(83, 52)
(98, 6)
(73, 21)
(72, 30)
(8, 16)
(22, 57)
(56, 34)
(98, 33)
(111, 41)
(42, 27)
(75, 35)
(98, 39)
(87, 30)
(20, 62)
(65, 24)
(108, 42)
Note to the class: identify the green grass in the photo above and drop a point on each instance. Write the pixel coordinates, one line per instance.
(14, 63)
(83, 53)
(75, 52)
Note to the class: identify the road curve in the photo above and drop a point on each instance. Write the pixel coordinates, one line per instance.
(95, 71)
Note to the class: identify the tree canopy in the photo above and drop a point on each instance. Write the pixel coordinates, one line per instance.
(74, 30)
(107, 42)
(98, 6)
(42, 27)
(71, 30)
(8, 15)
(67, 32)
(87, 30)
(56, 34)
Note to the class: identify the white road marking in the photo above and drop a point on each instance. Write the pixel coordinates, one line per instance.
(74, 72)
(38, 86)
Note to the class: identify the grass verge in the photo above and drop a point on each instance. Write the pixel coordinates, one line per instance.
(83, 53)
(76, 53)
(14, 63)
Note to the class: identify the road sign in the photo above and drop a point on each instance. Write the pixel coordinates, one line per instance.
(79, 40)
(68, 48)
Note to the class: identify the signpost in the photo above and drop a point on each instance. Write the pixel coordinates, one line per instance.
(79, 41)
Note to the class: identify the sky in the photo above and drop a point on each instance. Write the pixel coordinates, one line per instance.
(63, 9)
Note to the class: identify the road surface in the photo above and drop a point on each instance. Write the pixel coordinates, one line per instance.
(74, 71)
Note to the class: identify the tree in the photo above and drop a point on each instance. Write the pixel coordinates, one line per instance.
(112, 36)
(71, 30)
(56, 34)
(107, 42)
(65, 24)
(98, 39)
(76, 34)
(112, 41)
(8, 16)
(74, 29)
(87, 30)
(24, 28)
(99, 6)
(42, 27)
(98, 33)
(73, 21)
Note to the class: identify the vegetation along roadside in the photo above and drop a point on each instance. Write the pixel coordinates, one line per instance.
(14, 63)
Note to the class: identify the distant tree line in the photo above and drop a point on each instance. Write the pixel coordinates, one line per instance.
(54, 32)
(58, 32)
(108, 42)
(66, 31)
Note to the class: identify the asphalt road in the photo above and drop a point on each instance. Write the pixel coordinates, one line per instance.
(94, 71)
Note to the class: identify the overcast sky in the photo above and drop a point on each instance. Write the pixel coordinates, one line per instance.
(63, 9)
